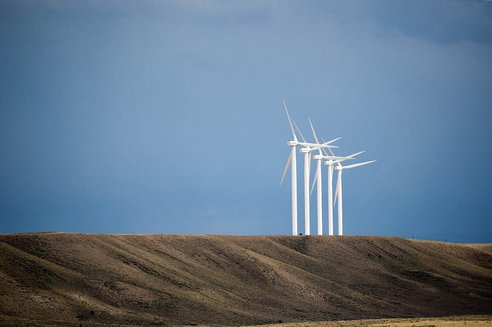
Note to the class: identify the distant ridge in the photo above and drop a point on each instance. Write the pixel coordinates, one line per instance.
(89, 279)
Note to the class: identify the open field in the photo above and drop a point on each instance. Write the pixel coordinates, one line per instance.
(455, 321)
(59, 279)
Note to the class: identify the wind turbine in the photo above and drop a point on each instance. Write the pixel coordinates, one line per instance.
(338, 193)
(317, 180)
(292, 160)
(307, 165)
(329, 161)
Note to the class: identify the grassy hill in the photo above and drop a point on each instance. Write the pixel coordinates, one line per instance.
(72, 279)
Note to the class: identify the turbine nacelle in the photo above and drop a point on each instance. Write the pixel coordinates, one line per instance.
(316, 146)
(292, 143)
(335, 158)
(330, 158)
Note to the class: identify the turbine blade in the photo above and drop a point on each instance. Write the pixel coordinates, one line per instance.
(339, 179)
(350, 157)
(338, 162)
(330, 142)
(355, 154)
(358, 164)
(300, 133)
(315, 137)
(323, 149)
(315, 180)
(290, 121)
(333, 154)
(337, 158)
(289, 160)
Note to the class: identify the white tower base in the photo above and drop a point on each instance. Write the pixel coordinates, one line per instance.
(294, 191)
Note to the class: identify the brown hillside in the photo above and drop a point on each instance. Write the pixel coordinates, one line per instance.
(481, 246)
(72, 279)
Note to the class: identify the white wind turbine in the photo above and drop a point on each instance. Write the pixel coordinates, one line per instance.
(338, 193)
(307, 166)
(329, 161)
(291, 160)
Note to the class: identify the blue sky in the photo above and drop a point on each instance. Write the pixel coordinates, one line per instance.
(166, 116)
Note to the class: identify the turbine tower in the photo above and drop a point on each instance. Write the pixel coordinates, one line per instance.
(292, 160)
(338, 193)
(307, 213)
(307, 165)
(317, 180)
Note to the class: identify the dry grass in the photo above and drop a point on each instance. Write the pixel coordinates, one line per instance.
(481, 246)
(71, 279)
(454, 321)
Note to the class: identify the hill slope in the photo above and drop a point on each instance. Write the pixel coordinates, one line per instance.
(68, 279)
